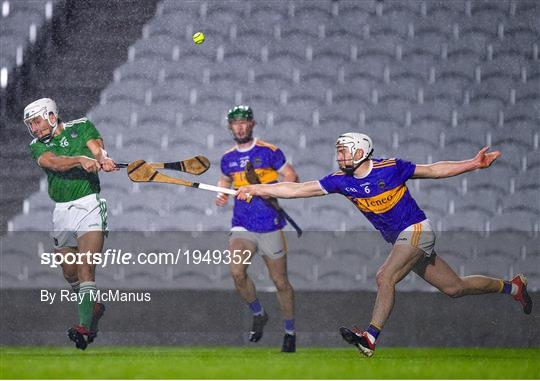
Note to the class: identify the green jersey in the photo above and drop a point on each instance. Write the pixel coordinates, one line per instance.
(75, 183)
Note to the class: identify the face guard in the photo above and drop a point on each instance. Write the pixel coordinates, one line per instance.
(241, 112)
(42, 107)
(354, 141)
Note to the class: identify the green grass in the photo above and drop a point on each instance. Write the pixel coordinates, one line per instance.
(235, 362)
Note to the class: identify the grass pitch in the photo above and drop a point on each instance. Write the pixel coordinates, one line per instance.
(260, 363)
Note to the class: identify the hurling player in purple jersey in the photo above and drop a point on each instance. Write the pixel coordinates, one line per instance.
(257, 226)
(377, 188)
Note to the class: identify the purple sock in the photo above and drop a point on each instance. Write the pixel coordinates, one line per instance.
(373, 331)
(289, 326)
(256, 307)
(507, 288)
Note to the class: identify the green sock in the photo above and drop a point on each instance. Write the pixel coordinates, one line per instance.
(87, 294)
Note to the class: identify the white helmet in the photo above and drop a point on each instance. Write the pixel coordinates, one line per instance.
(42, 107)
(355, 141)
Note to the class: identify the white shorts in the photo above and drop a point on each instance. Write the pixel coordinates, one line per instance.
(74, 218)
(271, 244)
(419, 235)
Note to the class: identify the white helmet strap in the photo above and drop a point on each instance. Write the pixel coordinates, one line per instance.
(353, 150)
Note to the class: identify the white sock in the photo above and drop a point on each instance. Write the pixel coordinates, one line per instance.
(514, 289)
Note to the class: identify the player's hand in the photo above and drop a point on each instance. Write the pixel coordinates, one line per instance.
(221, 199)
(89, 164)
(484, 159)
(108, 165)
(245, 193)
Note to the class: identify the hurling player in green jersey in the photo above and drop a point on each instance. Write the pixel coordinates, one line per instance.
(72, 154)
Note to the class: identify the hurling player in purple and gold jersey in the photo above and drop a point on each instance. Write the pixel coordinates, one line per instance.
(256, 226)
(377, 187)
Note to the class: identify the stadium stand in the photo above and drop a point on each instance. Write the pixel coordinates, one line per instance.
(428, 80)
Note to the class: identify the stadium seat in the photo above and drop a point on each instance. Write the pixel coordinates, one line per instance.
(433, 35)
(297, 36)
(353, 17)
(520, 33)
(9, 43)
(174, 25)
(159, 47)
(521, 138)
(35, 222)
(129, 90)
(153, 202)
(518, 222)
(310, 224)
(455, 259)
(171, 6)
(259, 101)
(312, 169)
(267, 15)
(357, 223)
(363, 78)
(114, 113)
(40, 201)
(521, 118)
(222, 15)
(424, 131)
(522, 198)
(496, 76)
(459, 143)
(171, 91)
(369, 272)
(301, 269)
(495, 266)
(381, 50)
(465, 51)
(488, 98)
(465, 221)
(315, 13)
(348, 99)
(526, 93)
(299, 97)
(451, 96)
(503, 244)
(343, 272)
(454, 73)
(246, 30)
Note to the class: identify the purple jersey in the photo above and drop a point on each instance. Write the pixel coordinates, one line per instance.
(255, 216)
(381, 195)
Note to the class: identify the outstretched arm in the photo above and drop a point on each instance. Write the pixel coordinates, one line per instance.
(444, 169)
(281, 190)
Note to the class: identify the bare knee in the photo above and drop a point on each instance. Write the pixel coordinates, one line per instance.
(384, 279)
(86, 273)
(70, 273)
(240, 277)
(282, 284)
(454, 291)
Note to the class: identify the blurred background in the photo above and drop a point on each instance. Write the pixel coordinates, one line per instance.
(427, 80)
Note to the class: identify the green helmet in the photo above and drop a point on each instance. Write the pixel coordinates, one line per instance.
(240, 112)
